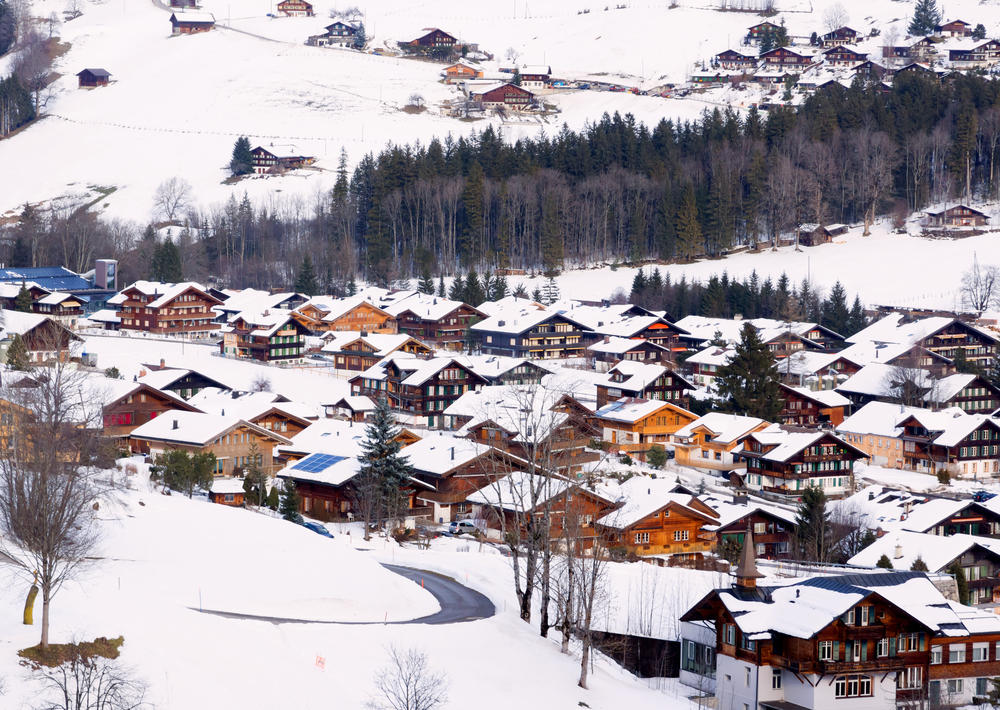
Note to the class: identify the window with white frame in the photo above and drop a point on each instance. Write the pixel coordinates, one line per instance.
(852, 686)
(680, 535)
(956, 653)
(729, 634)
(980, 652)
(776, 678)
(882, 649)
(826, 650)
(642, 538)
(911, 677)
(936, 654)
(955, 686)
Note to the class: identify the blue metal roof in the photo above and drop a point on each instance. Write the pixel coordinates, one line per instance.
(53, 278)
(314, 463)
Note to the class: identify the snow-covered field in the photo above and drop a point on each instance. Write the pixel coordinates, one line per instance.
(163, 558)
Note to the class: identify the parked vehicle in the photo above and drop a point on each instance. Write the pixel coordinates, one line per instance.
(458, 527)
(318, 528)
(982, 496)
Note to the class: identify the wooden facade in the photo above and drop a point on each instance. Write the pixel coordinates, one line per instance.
(299, 8)
(186, 23)
(672, 529)
(556, 336)
(957, 216)
(188, 312)
(637, 435)
(447, 332)
(731, 59)
(840, 36)
(772, 535)
(92, 78)
(976, 454)
(784, 58)
(668, 387)
(434, 39)
(356, 315)
(360, 354)
(508, 96)
(282, 343)
(803, 408)
(825, 461)
(143, 403)
(266, 161)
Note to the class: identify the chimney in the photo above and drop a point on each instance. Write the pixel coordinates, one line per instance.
(452, 453)
(746, 569)
(898, 555)
(176, 425)
(163, 363)
(607, 338)
(223, 412)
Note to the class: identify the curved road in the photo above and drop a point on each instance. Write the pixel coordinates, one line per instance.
(459, 604)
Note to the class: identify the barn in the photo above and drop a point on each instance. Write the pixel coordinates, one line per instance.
(508, 96)
(91, 78)
(293, 8)
(186, 23)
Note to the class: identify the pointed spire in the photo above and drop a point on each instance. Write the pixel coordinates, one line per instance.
(746, 569)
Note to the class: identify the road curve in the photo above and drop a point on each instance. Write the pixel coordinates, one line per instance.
(459, 604)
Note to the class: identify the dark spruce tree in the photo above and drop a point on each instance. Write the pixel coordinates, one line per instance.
(812, 529)
(426, 283)
(926, 18)
(857, 320)
(748, 384)
(383, 469)
(23, 301)
(289, 505)
(17, 354)
(242, 161)
(884, 562)
(306, 281)
(166, 263)
(836, 315)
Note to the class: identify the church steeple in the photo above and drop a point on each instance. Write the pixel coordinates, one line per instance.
(746, 569)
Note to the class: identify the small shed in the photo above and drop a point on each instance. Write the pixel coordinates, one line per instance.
(296, 7)
(811, 235)
(227, 491)
(91, 78)
(185, 23)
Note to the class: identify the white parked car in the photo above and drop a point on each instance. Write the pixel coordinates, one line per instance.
(461, 526)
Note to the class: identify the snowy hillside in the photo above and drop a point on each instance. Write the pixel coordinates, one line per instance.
(176, 104)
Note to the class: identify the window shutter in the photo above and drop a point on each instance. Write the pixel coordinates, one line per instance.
(864, 650)
(923, 641)
(836, 651)
(847, 650)
(892, 645)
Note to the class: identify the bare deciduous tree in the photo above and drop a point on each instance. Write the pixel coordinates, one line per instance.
(172, 197)
(261, 383)
(407, 683)
(835, 17)
(979, 286)
(90, 682)
(49, 479)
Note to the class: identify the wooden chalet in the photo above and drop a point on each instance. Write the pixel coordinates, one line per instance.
(954, 28)
(60, 306)
(612, 350)
(773, 531)
(267, 161)
(336, 33)
(784, 58)
(461, 71)
(712, 440)
(357, 351)
(786, 462)
(535, 76)
(842, 56)
(183, 309)
(92, 78)
(295, 8)
(840, 36)
(433, 39)
(533, 332)
(756, 33)
(655, 523)
(131, 404)
(227, 491)
(439, 322)
(272, 337)
(183, 382)
(355, 408)
(321, 315)
(870, 71)
(507, 96)
(233, 440)
(964, 446)
(192, 22)
(732, 59)
(634, 426)
(809, 408)
(45, 339)
(416, 387)
(957, 216)
(644, 381)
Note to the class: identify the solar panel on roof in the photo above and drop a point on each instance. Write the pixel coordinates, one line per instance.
(314, 463)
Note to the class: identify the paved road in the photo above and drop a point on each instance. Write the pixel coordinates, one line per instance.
(458, 603)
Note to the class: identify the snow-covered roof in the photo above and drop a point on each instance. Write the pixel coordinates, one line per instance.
(265, 323)
(526, 411)
(877, 418)
(615, 345)
(517, 490)
(355, 402)
(416, 370)
(195, 428)
(253, 300)
(328, 436)
(826, 398)
(519, 317)
(440, 453)
(894, 328)
(18, 323)
(227, 486)
(876, 380)
(422, 305)
(786, 443)
(638, 375)
(631, 409)
(495, 366)
(725, 428)
(805, 362)
(196, 16)
(333, 308)
(164, 292)
(250, 405)
(903, 547)
(704, 328)
(105, 315)
(641, 496)
(713, 355)
(383, 343)
(729, 512)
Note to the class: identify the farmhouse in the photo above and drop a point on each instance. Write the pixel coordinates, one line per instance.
(527, 329)
(756, 33)
(91, 78)
(733, 59)
(955, 28)
(839, 37)
(321, 314)
(269, 161)
(186, 23)
(645, 380)
(957, 216)
(508, 96)
(805, 407)
(433, 39)
(45, 339)
(811, 235)
(462, 70)
(785, 58)
(634, 426)
(711, 440)
(535, 76)
(787, 462)
(183, 309)
(336, 33)
(843, 56)
(435, 320)
(299, 8)
(271, 336)
(352, 350)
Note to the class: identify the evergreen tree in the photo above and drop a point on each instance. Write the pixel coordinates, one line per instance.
(17, 354)
(306, 282)
(20, 254)
(426, 283)
(352, 286)
(836, 316)
(472, 203)
(521, 291)
(516, 80)
(8, 27)
(382, 466)
(166, 263)
(884, 562)
(242, 161)
(441, 291)
(919, 565)
(184, 472)
(748, 384)
(656, 456)
(536, 295)
(457, 290)
(638, 286)
(498, 288)
(23, 301)
(979, 32)
(857, 320)
(273, 500)
(812, 529)
(474, 292)
(551, 235)
(926, 18)
(781, 38)
(689, 240)
(360, 36)
(289, 505)
(551, 293)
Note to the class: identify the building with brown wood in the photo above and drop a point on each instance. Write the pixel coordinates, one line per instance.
(505, 96)
(295, 8)
(128, 405)
(439, 322)
(957, 216)
(784, 58)
(462, 71)
(433, 39)
(732, 59)
(652, 522)
(524, 329)
(191, 22)
(643, 380)
(788, 462)
(840, 36)
(181, 309)
(712, 440)
(276, 160)
(233, 441)
(336, 33)
(633, 426)
(358, 351)
(92, 78)
(955, 28)
(804, 407)
(271, 336)
(355, 313)
(45, 339)
(773, 527)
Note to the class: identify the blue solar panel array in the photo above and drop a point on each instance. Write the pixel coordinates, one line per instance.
(53, 278)
(314, 463)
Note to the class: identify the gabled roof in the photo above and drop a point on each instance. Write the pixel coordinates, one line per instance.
(196, 17)
(196, 428)
(632, 409)
(903, 547)
(620, 346)
(636, 376)
(725, 428)
(787, 444)
(824, 398)
(520, 317)
(164, 293)
(95, 72)
(439, 454)
(162, 379)
(641, 497)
